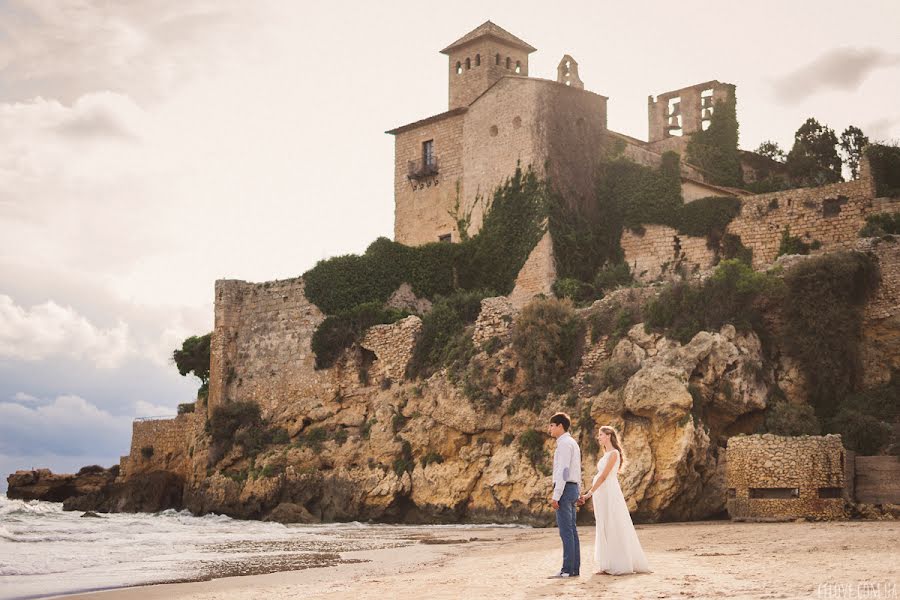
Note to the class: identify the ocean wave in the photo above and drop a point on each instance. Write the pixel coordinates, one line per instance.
(30, 507)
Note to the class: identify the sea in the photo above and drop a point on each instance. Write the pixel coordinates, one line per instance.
(45, 551)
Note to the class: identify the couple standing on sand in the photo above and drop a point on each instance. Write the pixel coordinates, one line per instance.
(617, 550)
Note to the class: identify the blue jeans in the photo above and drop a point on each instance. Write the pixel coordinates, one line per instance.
(565, 520)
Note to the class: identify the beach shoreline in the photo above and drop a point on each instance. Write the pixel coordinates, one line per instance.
(705, 559)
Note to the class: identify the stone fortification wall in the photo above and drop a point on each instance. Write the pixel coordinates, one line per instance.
(829, 214)
(261, 345)
(393, 346)
(775, 477)
(162, 445)
(537, 274)
(658, 251)
(494, 320)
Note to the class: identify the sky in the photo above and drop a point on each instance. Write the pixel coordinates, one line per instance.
(148, 148)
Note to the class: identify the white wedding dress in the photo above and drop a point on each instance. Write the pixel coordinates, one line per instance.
(617, 549)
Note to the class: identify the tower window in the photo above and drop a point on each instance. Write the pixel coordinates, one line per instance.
(428, 153)
(468, 64)
(477, 60)
(508, 62)
(518, 67)
(458, 68)
(497, 58)
(445, 239)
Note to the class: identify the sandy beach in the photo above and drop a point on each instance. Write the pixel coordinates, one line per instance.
(716, 559)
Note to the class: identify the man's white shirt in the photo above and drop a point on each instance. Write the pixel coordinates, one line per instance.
(566, 464)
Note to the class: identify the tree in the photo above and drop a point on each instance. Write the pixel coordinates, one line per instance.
(814, 159)
(771, 150)
(853, 140)
(193, 357)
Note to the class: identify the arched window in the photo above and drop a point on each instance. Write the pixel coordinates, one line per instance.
(518, 67)
(497, 58)
(477, 60)
(468, 64)
(458, 68)
(508, 62)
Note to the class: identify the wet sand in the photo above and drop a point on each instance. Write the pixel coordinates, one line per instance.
(714, 559)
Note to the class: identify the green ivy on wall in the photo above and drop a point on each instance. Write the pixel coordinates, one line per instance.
(716, 149)
(885, 163)
(351, 289)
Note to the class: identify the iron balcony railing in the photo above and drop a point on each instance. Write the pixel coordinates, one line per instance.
(420, 169)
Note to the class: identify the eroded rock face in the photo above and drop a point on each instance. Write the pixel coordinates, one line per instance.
(41, 484)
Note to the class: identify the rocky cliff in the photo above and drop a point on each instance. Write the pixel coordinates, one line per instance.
(359, 441)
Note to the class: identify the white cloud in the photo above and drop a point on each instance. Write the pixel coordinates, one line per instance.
(23, 398)
(148, 409)
(69, 425)
(841, 69)
(49, 329)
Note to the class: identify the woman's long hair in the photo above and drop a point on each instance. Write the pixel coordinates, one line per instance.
(614, 440)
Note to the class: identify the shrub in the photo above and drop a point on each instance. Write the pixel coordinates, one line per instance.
(95, 469)
(880, 225)
(365, 431)
(187, 407)
(527, 400)
(531, 445)
(733, 248)
(573, 289)
(791, 244)
(823, 307)
(788, 418)
(708, 217)
(431, 457)
(272, 470)
(239, 423)
(339, 332)
(861, 433)
(508, 439)
(547, 336)
(616, 374)
(405, 462)
(443, 340)
(611, 276)
(682, 310)
(492, 345)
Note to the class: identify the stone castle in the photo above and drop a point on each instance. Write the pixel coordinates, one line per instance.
(500, 117)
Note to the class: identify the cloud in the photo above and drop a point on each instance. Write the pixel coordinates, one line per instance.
(842, 69)
(148, 409)
(49, 329)
(23, 398)
(69, 425)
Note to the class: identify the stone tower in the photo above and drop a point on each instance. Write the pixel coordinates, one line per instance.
(480, 58)
(567, 73)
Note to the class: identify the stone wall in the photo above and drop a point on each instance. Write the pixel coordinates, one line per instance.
(162, 445)
(660, 251)
(537, 274)
(473, 81)
(494, 320)
(829, 214)
(393, 346)
(261, 345)
(775, 477)
(422, 207)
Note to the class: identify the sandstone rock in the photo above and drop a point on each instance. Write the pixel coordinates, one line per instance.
(658, 392)
(42, 484)
(289, 512)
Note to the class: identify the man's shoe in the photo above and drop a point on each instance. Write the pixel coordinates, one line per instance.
(559, 575)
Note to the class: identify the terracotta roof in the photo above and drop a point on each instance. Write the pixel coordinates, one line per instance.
(488, 29)
(432, 119)
(729, 190)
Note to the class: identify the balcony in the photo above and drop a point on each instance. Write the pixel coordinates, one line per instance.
(420, 169)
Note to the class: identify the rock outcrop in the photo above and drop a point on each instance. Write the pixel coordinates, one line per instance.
(41, 484)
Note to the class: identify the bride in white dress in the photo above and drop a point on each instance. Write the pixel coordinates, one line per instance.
(617, 549)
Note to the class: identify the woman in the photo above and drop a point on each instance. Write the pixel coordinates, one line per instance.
(617, 550)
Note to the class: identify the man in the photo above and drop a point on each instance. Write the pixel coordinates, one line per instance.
(566, 490)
